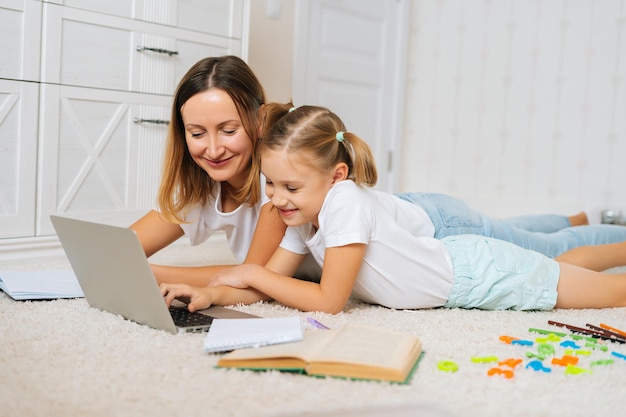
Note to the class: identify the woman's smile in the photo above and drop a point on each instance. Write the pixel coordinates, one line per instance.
(218, 163)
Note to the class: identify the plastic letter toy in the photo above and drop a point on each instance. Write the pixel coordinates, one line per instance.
(507, 373)
(570, 344)
(602, 362)
(550, 338)
(566, 360)
(485, 359)
(511, 362)
(545, 349)
(547, 332)
(595, 346)
(537, 365)
(508, 339)
(575, 370)
(447, 366)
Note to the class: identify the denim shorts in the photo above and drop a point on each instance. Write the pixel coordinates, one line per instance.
(492, 274)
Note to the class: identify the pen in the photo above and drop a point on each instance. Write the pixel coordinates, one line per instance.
(608, 333)
(316, 323)
(587, 332)
(613, 329)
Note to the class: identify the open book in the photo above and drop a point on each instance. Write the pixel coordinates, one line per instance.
(359, 352)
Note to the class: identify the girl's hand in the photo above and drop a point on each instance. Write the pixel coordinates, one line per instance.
(199, 298)
(236, 276)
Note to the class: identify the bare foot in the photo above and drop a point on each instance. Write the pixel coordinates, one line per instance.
(579, 219)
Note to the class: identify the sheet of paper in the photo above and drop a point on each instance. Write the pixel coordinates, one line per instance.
(40, 284)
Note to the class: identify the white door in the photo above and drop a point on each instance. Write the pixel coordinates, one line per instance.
(350, 56)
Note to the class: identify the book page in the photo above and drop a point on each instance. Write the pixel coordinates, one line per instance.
(369, 346)
(305, 349)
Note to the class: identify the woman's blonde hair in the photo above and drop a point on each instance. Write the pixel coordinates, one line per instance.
(320, 132)
(184, 183)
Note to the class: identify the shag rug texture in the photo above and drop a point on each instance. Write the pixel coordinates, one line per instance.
(64, 358)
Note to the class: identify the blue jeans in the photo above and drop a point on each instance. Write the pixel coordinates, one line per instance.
(549, 234)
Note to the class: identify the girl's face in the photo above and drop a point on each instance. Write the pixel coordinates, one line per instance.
(215, 136)
(296, 189)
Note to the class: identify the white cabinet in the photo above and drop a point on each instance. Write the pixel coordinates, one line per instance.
(20, 36)
(85, 94)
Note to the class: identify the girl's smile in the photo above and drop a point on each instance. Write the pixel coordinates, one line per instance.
(287, 213)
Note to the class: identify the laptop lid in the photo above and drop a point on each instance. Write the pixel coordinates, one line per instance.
(114, 274)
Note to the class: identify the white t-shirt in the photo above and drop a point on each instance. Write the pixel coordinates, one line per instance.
(403, 267)
(239, 224)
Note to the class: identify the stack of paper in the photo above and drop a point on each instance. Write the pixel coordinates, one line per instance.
(40, 285)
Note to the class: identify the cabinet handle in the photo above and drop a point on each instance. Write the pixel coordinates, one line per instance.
(140, 48)
(154, 121)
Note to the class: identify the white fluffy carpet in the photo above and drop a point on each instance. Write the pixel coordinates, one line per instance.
(63, 358)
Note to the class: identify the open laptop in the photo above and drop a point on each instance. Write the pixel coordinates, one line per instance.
(113, 272)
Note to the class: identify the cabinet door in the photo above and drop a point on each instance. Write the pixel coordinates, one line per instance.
(20, 21)
(217, 17)
(87, 49)
(96, 161)
(18, 156)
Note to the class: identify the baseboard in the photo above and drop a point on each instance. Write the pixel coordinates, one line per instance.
(30, 247)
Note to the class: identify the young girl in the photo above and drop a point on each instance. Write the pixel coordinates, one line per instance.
(372, 244)
(209, 182)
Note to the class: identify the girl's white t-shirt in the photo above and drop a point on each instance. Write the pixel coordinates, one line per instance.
(239, 225)
(404, 265)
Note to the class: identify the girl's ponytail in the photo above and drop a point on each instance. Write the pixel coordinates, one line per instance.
(362, 165)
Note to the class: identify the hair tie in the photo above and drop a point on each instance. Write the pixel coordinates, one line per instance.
(339, 137)
(292, 109)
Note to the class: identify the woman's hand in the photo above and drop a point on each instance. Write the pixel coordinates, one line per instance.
(199, 297)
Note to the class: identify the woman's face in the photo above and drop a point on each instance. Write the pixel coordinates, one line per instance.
(215, 136)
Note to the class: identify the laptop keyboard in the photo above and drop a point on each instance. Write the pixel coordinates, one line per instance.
(183, 318)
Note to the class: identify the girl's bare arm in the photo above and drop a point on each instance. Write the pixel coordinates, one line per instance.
(341, 267)
(268, 233)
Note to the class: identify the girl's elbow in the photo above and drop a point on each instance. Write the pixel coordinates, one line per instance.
(332, 308)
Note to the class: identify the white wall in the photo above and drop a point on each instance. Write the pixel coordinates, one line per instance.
(271, 46)
(518, 106)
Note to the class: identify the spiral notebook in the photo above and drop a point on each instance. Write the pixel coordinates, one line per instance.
(227, 335)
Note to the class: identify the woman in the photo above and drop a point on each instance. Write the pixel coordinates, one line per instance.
(209, 182)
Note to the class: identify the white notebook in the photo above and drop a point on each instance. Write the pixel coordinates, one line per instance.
(226, 335)
(40, 284)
